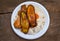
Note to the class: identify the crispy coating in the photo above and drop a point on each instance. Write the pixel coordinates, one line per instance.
(31, 15)
(23, 8)
(17, 23)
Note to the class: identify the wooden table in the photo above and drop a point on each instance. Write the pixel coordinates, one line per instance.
(6, 9)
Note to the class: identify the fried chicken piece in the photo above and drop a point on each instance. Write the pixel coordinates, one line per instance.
(24, 23)
(23, 8)
(31, 15)
(17, 23)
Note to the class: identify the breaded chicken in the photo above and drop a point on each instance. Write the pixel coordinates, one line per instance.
(17, 23)
(23, 8)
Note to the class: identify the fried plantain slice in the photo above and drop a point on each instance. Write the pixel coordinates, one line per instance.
(31, 15)
(17, 23)
(24, 22)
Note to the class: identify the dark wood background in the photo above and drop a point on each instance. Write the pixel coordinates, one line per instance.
(6, 9)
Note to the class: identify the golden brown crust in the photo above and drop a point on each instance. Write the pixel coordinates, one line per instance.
(17, 23)
(31, 15)
(23, 8)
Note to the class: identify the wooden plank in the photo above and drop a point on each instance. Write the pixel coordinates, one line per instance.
(9, 5)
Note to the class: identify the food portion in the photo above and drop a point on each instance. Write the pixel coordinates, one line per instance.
(24, 22)
(29, 21)
(23, 8)
(31, 15)
(26, 18)
(17, 22)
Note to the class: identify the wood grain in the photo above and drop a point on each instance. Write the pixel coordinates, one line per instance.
(6, 9)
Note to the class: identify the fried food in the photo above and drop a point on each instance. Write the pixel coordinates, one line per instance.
(26, 18)
(23, 8)
(24, 22)
(17, 23)
(19, 12)
(31, 15)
